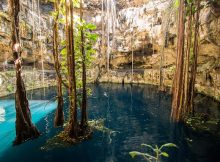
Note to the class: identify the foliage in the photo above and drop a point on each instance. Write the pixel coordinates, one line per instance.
(203, 123)
(157, 152)
(90, 39)
(10, 88)
(98, 125)
(62, 140)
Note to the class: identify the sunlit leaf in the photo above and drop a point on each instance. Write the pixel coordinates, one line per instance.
(146, 145)
(164, 154)
(91, 26)
(168, 145)
(176, 3)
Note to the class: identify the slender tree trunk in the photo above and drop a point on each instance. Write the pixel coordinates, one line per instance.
(177, 87)
(187, 61)
(24, 127)
(59, 116)
(73, 124)
(194, 63)
(84, 95)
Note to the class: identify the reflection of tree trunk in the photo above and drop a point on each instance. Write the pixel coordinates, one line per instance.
(73, 125)
(194, 63)
(24, 126)
(84, 95)
(59, 117)
(177, 87)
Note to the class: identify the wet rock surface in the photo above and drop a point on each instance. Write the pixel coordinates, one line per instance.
(140, 27)
(141, 30)
(35, 33)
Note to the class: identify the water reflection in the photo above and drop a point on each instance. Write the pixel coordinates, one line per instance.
(134, 115)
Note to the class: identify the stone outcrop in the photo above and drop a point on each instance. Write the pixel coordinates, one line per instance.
(33, 80)
(35, 34)
(141, 27)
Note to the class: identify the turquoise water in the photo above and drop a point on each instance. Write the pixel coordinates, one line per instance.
(39, 109)
(134, 114)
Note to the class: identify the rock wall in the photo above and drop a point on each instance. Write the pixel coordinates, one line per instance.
(32, 78)
(141, 28)
(35, 33)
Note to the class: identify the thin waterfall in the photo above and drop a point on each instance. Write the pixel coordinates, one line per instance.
(41, 46)
(132, 52)
(110, 21)
(132, 57)
(132, 46)
(152, 26)
(166, 24)
(33, 33)
(33, 18)
(103, 28)
(108, 33)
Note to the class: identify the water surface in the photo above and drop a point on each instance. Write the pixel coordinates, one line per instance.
(136, 114)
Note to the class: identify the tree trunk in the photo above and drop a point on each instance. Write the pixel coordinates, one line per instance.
(194, 63)
(177, 87)
(73, 125)
(84, 95)
(187, 61)
(59, 116)
(24, 127)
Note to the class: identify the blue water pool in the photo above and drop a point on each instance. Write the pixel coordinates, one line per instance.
(136, 114)
(39, 110)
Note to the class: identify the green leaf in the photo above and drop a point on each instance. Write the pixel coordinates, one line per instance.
(90, 26)
(146, 145)
(135, 153)
(189, 1)
(164, 154)
(92, 37)
(168, 145)
(176, 3)
(64, 51)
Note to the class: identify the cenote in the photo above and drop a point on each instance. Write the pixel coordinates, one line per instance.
(109, 80)
(134, 115)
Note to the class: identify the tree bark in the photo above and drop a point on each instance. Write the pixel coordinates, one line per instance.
(194, 63)
(187, 61)
(73, 124)
(84, 95)
(25, 129)
(59, 116)
(177, 87)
